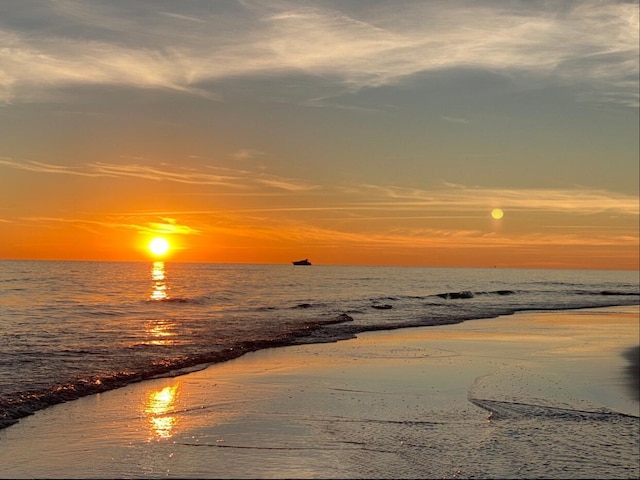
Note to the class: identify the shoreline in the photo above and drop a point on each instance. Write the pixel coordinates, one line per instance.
(340, 409)
(72, 392)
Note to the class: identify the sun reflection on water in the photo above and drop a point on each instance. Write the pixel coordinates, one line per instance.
(160, 332)
(159, 407)
(159, 277)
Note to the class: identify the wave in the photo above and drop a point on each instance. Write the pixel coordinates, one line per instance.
(315, 322)
(175, 300)
(13, 407)
(613, 292)
(470, 294)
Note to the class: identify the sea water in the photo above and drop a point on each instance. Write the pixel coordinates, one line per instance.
(70, 329)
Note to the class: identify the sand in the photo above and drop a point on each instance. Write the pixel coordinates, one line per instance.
(531, 395)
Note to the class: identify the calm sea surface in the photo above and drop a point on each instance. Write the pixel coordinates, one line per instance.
(69, 329)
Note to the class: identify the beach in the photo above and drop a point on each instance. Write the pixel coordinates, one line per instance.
(531, 395)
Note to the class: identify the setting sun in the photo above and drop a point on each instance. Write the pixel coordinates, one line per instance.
(159, 246)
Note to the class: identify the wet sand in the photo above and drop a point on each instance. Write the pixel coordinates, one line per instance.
(533, 395)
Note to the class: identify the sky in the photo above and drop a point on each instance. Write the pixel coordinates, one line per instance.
(354, 132)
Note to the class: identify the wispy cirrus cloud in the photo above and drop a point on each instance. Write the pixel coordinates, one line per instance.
(179, 175)
(207, 175)
(141, 224)
(414, 238)
(170, 226)
(43, 167)
(581, 200)
(455, 120)
(187, 45)
(449, 198)
(265, 228)
(246, 154)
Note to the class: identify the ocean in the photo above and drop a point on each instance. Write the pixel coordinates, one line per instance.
(71, 329)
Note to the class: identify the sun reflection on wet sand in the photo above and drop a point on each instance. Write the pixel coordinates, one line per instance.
(158, 408)
(158, 275)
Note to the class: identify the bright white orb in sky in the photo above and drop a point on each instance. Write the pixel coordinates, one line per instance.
(497, 213)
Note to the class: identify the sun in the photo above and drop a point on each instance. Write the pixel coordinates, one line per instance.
(159, 246)
(497, 213)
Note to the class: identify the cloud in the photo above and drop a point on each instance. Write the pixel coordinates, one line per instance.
(41, 167)
(170, 226)
(246, 154)
(231, 224)
(412, 238)
(187, 45)
(449, 199)
(210, 175)
(175, 174)
(455, 120)
(100, 169)
(283, 184)
(453, 197)
(375, 202)
(167, 226)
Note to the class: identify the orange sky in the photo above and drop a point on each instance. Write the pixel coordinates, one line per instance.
(365, 133)
(407, 231)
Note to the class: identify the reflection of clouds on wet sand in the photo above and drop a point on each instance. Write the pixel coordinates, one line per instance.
(633, 370)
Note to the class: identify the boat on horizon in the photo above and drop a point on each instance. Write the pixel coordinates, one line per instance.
(302, 262)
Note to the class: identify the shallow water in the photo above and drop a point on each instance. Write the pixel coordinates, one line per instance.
(70, 329)
(513, 397)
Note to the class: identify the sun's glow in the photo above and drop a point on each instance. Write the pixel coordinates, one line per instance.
(159, 407)
(159, 246)
(497, 213)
